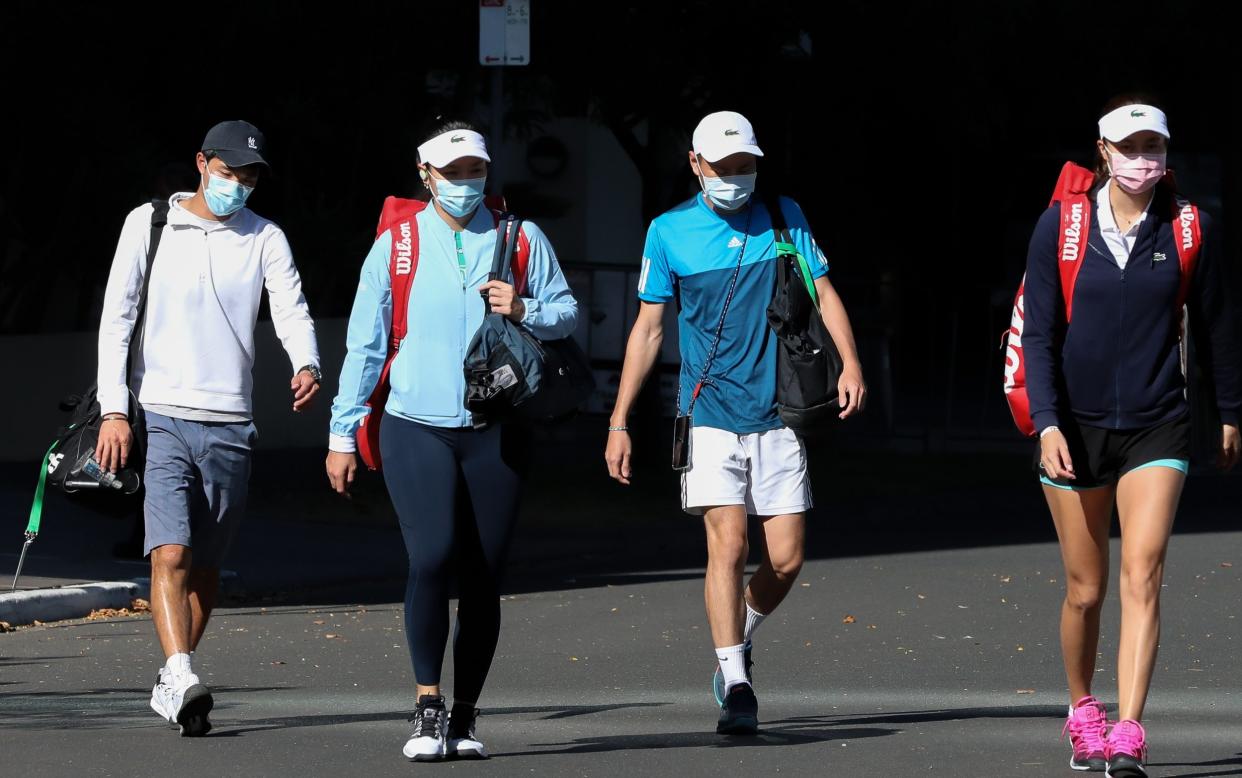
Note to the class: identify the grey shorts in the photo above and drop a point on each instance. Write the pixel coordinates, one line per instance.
(197, 476)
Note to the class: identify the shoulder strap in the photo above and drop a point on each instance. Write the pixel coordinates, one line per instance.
(521, 265)
(159, 218)
(704, 376)
(1188, 237)
(402, 265)
(773, 203)
(1072, 193)
(517, 256)
(785, 247)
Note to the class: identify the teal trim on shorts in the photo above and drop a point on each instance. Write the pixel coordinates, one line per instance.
(1181, 465)
(1046, 481)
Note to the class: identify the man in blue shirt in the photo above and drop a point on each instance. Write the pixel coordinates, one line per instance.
(715, 255)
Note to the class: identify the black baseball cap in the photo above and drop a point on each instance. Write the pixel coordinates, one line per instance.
(238, 143)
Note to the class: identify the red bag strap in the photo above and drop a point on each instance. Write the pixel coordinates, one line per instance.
(402, 265)
(1188, 237)
(1071, 192)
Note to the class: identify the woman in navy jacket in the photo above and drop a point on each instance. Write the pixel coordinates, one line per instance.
(1108, 398)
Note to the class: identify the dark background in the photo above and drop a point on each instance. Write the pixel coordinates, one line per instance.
(922, 140)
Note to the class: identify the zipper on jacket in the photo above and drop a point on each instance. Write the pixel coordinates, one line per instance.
(1121, 322)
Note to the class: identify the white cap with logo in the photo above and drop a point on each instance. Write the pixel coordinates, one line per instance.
(453, 145)
(1123, 122)
(723, 133)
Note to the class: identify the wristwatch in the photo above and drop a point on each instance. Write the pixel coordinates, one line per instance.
(314, 371)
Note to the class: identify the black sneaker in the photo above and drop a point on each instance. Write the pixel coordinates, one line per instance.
(426, 743)
(462, 742)
(739, 715)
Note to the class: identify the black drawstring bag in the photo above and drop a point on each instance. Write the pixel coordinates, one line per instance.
(808, 365)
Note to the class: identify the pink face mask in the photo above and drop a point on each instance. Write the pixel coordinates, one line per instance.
(1136, 174)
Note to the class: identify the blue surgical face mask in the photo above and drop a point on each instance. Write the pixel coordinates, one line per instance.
(729, 193)
(460, 198)
(224, 196)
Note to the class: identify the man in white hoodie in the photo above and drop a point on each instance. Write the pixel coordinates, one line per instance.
(192, 377)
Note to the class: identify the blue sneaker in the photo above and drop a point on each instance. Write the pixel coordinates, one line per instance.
(718, 687)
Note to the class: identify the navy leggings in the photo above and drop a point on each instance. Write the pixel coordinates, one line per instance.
(456, 495)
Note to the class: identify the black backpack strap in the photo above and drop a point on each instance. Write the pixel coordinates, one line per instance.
(159, 218)
(773, 203)
(506, 243)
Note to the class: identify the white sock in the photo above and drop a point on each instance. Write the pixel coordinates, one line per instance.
(753, 619)
(178, 665)
(732, 664)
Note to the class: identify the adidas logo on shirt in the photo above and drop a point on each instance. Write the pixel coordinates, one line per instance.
(735, 243)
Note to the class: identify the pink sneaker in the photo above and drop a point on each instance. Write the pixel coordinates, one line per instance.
(1127, 750)
(1086, 726)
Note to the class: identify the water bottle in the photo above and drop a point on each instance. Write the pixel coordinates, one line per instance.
(88, 467)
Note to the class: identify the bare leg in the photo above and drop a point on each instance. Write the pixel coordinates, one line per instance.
(1082, 519)
(1146, 503)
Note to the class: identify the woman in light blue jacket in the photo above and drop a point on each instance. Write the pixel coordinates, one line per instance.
(455, 489)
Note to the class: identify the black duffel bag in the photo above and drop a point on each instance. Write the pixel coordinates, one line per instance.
(510, 373)
(70, 461)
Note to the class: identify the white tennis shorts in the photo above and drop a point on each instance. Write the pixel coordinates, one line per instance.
(764, 471)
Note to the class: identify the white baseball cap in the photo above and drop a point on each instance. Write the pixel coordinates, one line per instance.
(453, 145)
(723, 133)
(1123, 122)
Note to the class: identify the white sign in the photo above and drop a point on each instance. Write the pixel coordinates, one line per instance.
(504, 32)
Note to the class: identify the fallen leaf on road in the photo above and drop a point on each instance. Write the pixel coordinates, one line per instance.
(1006, 579)
(1226, 564)
(110, 613)
(806, 586)
(870, 626)
(318, 622)
(139, 605)
(5, 626)
(1026, 691)
(848, 620)
(330, 636)
(573, 659)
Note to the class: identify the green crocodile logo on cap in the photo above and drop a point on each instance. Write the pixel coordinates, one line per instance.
(1137, 114)
(457, 139)
(730, 132)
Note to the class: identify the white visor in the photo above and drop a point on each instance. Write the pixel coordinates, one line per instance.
(1128, 119)
(446, 148)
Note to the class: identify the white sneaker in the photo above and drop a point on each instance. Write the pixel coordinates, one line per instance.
(162, 697)
(426, 743)
(462, 742)
(189, 704)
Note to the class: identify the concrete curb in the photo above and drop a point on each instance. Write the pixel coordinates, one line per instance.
(66, 602)
(76, 602)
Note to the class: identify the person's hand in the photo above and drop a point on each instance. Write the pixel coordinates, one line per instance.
(852, 391)
(304, 387)
(1230, 447)
(502, 298)
(1054, 456)
(116, 440)
(341, 469)
(617, 455)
